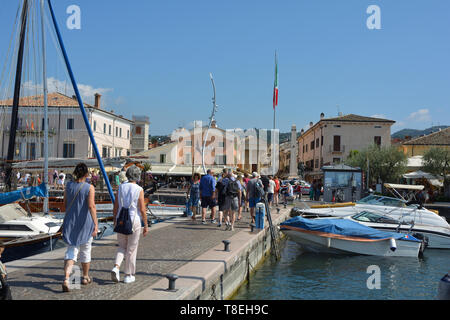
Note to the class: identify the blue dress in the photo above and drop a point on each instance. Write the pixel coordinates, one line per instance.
(78, 224)
(195, 194)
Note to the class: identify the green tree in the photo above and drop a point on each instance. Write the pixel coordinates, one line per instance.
(437, 161)
(386, 164)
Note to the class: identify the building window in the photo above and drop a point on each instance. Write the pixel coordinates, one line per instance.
(117, 131)
(317, 143)
(110, 130)
(120, 132)
(378, 127)
(336, 160)
(128, 134)
(317, 163)
(31, 151)
(43, 123)
(70, 124)
(220, 160)
(95, 126)
(337, 143)
(69, 151)
(188, 158)
(337, 126)
(104, 128)
(188, 143)
(221, 144)
(104, 152)
(322, 141)
(303, 149)
(138, 130)
(312, 145)
(377, 141)
(306, 148)
(162, 158)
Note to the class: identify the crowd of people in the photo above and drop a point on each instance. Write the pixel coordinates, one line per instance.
(230, 194)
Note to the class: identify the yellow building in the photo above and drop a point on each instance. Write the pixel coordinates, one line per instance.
(419, 146)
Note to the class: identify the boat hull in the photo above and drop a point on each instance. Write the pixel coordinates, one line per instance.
(24, 248)
(322, 243)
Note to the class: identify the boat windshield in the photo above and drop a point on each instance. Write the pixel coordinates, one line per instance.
(382, 201)
(367, 216)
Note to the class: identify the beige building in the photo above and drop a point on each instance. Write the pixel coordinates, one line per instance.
(330, 140)
(419, 146)
(68, 137)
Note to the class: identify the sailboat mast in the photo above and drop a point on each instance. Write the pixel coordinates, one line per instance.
(44, 74)
(15, 109)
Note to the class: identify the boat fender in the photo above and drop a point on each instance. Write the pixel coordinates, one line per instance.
(393, 244)
(444, 288)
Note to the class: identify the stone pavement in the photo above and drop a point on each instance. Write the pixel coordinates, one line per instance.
(164, 250)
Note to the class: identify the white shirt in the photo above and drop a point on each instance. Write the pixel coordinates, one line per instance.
(271, 187)
(128, 197)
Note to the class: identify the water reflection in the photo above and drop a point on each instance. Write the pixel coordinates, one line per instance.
(304, 275)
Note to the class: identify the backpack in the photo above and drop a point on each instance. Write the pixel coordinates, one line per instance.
(233, 188)
(221, 189)
(259, 190)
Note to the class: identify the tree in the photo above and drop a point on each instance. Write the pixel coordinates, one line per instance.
(387, 164)
(437, 161)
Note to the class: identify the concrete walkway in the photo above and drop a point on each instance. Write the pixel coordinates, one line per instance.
(167, 247)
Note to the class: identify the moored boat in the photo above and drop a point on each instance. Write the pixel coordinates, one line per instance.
(342, 236)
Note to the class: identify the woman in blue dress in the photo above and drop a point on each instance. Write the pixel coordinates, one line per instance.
(194, 194)
(80, 224)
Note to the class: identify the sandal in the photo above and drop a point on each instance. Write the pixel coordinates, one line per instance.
(86, 281)
(65, 286)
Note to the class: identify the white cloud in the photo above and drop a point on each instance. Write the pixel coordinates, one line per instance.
(422, 115)
(87, 92)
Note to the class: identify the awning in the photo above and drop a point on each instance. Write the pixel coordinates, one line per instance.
(38, 165)
(419, 175)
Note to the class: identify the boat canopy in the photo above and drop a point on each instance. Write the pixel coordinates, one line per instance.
(404, 186)
(22, 194)
(11, 212)
(344, 227)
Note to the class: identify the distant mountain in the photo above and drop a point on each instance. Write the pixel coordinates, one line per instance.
(413, 133)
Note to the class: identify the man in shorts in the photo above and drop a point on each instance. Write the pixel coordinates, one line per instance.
(207, 191)
(232, 199)
(252, 194)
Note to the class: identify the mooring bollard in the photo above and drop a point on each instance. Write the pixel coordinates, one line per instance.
(227, 245)
(172, 278)
(252, 227)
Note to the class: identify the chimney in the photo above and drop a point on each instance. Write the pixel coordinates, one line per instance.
(97, 100)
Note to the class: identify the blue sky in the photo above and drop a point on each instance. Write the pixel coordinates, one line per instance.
(154, 58)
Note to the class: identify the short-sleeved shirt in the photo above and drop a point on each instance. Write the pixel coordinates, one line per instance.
(251, 188)
(207, 185)
(271, 187)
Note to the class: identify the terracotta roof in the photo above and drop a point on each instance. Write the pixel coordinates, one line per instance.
(440, 138)
(54, 100)
(356, 118)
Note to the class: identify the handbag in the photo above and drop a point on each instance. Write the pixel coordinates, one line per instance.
(124, 224)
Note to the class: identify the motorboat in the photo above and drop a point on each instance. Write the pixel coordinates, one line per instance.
(435, 237)
(344, 236)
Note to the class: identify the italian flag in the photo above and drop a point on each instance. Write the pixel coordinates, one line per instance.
(275, 90)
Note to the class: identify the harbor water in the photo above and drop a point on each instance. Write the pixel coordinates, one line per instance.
(311, 276)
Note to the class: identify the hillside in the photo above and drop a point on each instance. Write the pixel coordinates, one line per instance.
(413, 133)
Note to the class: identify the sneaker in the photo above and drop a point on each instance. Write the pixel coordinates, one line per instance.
(219, 225)
(203, 222)
(231, 228)
(129, 279)
(115, 275)
(214, 221)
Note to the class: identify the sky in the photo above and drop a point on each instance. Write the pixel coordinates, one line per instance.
(154, 58)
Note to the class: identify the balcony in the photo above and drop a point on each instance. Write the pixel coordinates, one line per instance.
(337, 150)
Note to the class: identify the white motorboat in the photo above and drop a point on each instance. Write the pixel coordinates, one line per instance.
(16, 223)
(344, 236)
